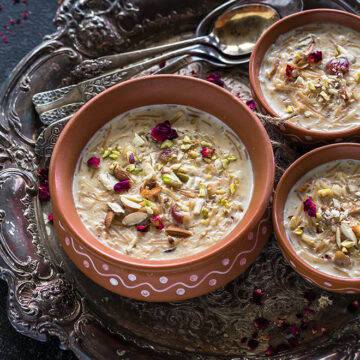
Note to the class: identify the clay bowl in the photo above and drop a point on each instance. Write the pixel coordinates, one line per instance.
(297, 134)
(174, 279)
(300, 167)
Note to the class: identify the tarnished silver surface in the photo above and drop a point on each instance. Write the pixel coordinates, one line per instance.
(48, 295)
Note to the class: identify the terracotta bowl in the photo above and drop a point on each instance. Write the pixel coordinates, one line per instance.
(174, 279)
(299, 168)
(297, 134)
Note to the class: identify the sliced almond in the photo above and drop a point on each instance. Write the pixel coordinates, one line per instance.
(178, 232)
(348, 232)
(156, 208)
(108, 219)
(341, 259)
(134, 218)
(131, 205)
(121, 174)
(355, 210)
(116, 208)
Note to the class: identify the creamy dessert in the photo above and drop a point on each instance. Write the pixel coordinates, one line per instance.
(322, 218)
(163, 182)
(314, 72)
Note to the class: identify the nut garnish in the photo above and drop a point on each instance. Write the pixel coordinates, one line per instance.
(108, 219)
(150, 193)
(134, 218)
(178, 232)
(341, 259)
(121, 174)
(131, 205)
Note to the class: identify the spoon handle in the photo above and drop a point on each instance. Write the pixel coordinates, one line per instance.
(115, 61)
(55, 104)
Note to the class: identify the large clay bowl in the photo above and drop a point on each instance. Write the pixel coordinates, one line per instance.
(297, 134)
(300, 167)
(180, 278)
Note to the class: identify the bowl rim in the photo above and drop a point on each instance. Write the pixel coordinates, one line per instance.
(279, 229)
(255, 83)
(114, 256)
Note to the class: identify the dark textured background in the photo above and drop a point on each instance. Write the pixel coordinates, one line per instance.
(22, 38)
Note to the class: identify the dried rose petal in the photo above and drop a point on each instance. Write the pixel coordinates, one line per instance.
(215, 79)
(282, 323)
(44, 193)
(324, 331)
(143, 228)
(338, 66)
(162, 64)
(294, 330)
(51, 217)
(314, 329)
(131, 158)
(122, 186)
(156, 221)
(43, 175)
(260, 323)
(353, 306)
(270, 351)
(289, 70)
(251, 104)
(163, 131)
(93, 162)
(252, 344)
(207, 152)
(254, 335)
(315, 57)
(309, 297)
(257, 295)
(310, 207)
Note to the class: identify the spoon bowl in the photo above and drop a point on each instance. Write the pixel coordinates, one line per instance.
(236, 31)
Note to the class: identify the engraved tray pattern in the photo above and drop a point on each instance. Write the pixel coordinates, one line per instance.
(48, 295)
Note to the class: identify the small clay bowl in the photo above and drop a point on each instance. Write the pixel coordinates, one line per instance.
(179, 278)
(297, 134)
(299, 168)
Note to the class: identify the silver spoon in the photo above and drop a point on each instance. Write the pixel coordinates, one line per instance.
(283, 7)
(240, 25)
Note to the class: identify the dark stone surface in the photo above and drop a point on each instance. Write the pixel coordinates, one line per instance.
(22, 38)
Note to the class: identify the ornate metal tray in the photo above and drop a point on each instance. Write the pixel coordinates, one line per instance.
(48, 295)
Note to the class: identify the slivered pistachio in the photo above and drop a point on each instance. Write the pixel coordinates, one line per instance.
(185, 147)
(172, 180)
(232, 189)
(324, 192)
(183, 177)
(166, 144)
(348, 244)
(106, 154)
(203, 191)
(325, 95)
(205, 213)
(225, 163)
(187, 140)
(138, 141)
(206, 144)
